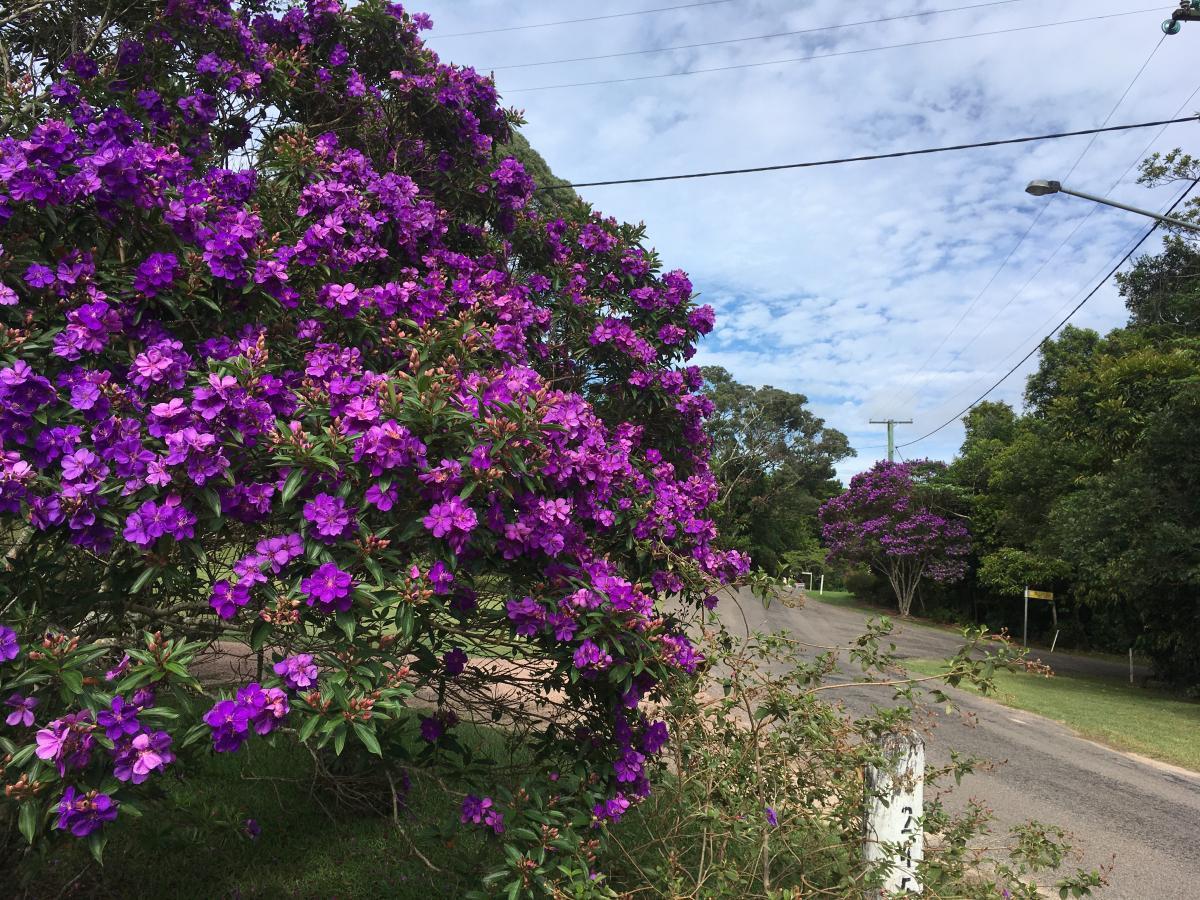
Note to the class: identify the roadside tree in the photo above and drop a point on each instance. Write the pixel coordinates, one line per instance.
(887, 520)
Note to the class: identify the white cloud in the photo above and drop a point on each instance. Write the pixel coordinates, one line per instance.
(838, 282)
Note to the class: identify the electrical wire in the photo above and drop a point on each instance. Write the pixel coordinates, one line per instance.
(1092, 210)
(624, 15)
(908, 397)
(1055, 330)
(871, 157)
(742, 40)
(795, 59)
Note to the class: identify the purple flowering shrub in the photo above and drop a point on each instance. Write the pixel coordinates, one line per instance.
(294, 361)
(887, 520)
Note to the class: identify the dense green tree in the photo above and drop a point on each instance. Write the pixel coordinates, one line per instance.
(775, 460)
(1095, 490)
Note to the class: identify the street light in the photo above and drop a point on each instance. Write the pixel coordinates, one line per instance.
(1189, 11)
(1042, 188)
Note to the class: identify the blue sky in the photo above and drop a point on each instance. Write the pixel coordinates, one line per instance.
(842, 282)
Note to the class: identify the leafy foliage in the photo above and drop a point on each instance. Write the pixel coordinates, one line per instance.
(1093, 491)
(302, 386)
(775, 461)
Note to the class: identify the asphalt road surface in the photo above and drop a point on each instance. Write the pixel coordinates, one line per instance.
(1140, 818)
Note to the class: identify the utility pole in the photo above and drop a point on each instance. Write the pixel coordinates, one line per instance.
(891, 424)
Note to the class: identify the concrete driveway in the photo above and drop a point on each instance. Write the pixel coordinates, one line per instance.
(1139, 817)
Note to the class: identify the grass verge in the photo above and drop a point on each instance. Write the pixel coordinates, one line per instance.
(306, 848)
(1155, 724)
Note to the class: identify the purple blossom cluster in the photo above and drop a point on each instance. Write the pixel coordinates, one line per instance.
(70, 741)
(377, 355)
(882, 519)
(297, 672)
(482, 811)
(254, 708)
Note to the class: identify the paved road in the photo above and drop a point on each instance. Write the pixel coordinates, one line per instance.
(1143, 818)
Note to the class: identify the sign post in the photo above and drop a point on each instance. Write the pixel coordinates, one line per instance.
(1035, 595)
(895, 796)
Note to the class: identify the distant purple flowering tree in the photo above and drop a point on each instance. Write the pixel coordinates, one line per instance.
(294, 358)
(885, 521)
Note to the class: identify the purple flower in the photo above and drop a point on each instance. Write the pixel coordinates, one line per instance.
(66, 741)
(772, 819)
(612, 809)
(254, 708)
(298, 672)
(654, 738)
(22, 710)
(119, 719)
(330, 516)
(329, 588)
(227, 599)
(481, 811)
(156, 273)
(81, 814)
(527, 615)
(453, 517)
(455, 661)
(280, 551)
(152, 520)
(433, 727)
(229, 722)
(136, 759)
(251, 829)
(118, 670)
(589, 657)
(9, 648)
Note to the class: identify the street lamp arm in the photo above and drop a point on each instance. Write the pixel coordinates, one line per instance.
(1167, 220)
(1042, 188)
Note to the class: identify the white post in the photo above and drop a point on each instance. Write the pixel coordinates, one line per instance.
(1025, 623)
(894, 799)
(822, 591)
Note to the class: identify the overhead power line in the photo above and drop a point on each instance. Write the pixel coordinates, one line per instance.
(1090, 294)
(1091, 211)
(1020, 242)
(759, 37)
(795, 59)
(871, 157)
(624, 15)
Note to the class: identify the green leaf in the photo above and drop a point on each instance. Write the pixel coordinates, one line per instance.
(27, 821)
(367, 736)
(294, 481)
(404, 622)
(308, 728)
(346, 622)
(339, 739)
(214, 501)
(143, 579)
(72, 681)
(259, 634)
(96, 842)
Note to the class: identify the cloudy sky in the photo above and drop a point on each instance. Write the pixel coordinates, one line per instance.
(877, 289)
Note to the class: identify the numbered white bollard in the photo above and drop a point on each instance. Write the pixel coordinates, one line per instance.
(894, 796)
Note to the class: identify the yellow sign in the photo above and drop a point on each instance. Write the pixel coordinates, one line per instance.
(1038, 595)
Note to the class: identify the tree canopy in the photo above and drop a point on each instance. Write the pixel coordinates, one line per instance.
(775, 461)
(1094, 491)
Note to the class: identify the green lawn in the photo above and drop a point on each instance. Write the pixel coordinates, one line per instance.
(1152, 723)
(307, 847)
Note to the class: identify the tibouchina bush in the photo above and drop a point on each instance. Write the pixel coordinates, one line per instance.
(295, 363)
